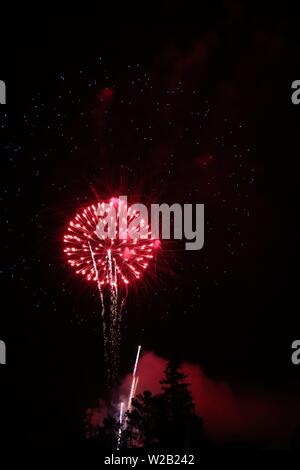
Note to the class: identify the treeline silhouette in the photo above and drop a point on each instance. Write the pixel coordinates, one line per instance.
(165, 421)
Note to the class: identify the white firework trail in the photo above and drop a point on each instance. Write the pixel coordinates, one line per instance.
(134, 379)
(102, 303)
(121, 412)
(120, 424)
(130, 394)
(135, 386)
(137, 359)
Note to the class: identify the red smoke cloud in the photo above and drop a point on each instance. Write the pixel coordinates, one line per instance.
(204, 160)
(195, 61)
(254, 414)
(105, 96)
(250, 415)
(95, 418)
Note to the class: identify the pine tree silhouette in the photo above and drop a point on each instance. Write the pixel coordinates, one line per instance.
(181, 427)
(142, 429)
(165, 421)
(176, 391)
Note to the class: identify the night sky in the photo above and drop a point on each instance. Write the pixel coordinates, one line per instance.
(184, 109)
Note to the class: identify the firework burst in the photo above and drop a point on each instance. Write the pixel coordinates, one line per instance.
(112, 263)
(117, 261)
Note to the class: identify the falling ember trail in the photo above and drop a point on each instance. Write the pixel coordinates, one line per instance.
(98, 282)
(115, 314)
(102, 306)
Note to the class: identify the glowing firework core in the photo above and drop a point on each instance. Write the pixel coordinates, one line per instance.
(114, 259)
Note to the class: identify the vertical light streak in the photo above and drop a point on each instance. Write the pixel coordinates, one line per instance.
(102, 304)
(120, 424)
(134, 379)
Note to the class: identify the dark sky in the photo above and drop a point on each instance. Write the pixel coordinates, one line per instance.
(199, 111)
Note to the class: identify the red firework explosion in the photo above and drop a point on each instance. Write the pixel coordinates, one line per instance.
(107, 260)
